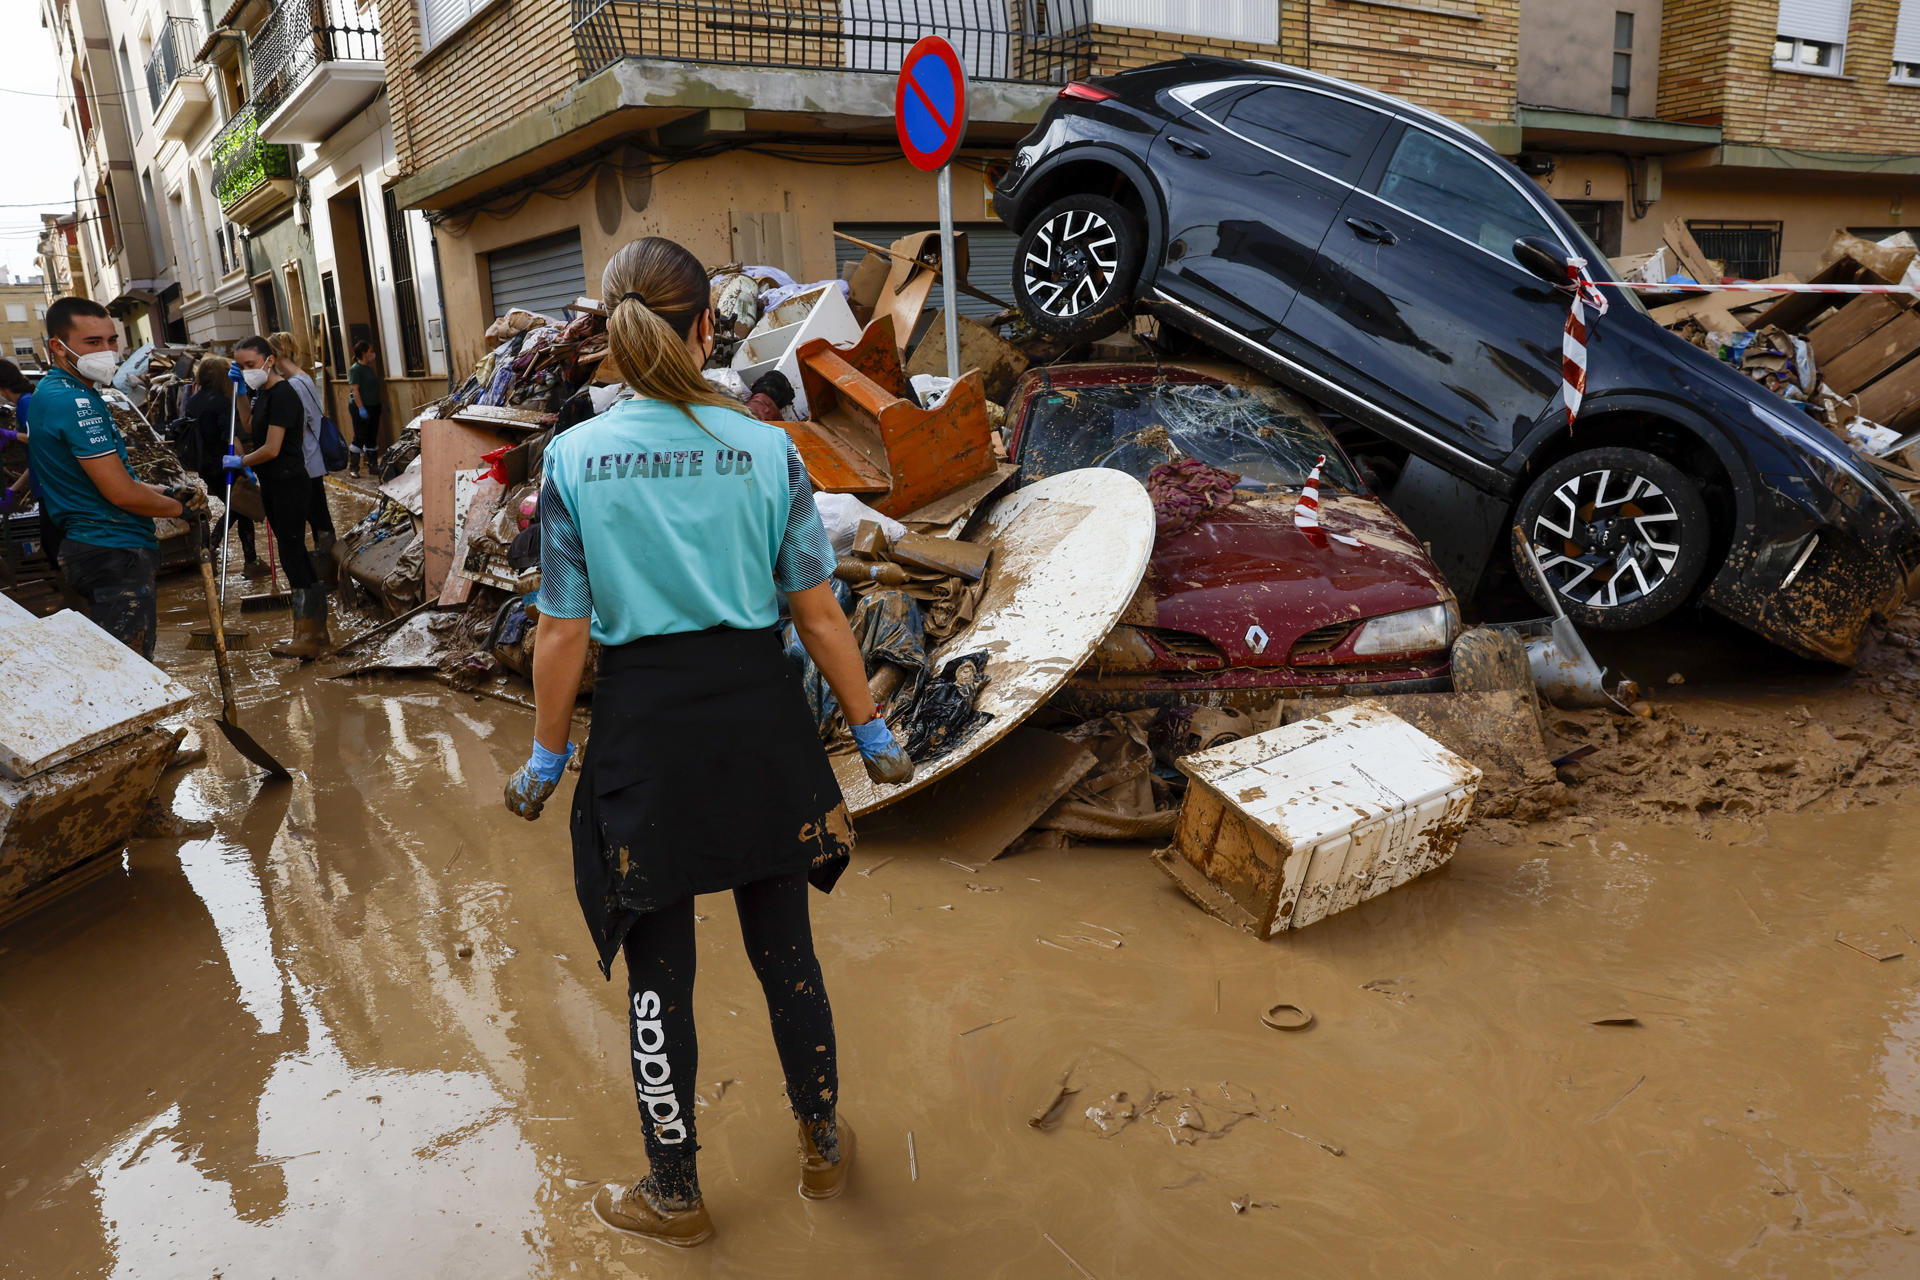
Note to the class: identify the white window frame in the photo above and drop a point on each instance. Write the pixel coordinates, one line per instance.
(1806, 23)
(429, 39)
(1906, 45)
(27, 351)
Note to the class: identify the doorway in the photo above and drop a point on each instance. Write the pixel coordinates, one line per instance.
(352, 288)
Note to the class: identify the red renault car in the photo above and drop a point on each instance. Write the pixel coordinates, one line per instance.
(1243, 607)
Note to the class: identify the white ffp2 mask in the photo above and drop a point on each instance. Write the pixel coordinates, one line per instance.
(256, 378)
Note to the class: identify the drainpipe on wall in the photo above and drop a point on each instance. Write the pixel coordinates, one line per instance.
(440, 291)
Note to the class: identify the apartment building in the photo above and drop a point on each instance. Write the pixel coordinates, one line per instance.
(542, 136)
(23, 320)
(1763, 125)
(58, 254)
(123, 256)
(302, 165)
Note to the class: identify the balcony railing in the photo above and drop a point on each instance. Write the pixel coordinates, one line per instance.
(1030, 41)
(173, 50)
(241, 162)
(300, 36)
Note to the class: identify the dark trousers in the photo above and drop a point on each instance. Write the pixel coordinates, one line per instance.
(244, 527)
(286, 503)
(366, 430)
(666, 1052)
(319, 514)
(117, 584)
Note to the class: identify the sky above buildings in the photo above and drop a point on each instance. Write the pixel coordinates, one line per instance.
(37, 156)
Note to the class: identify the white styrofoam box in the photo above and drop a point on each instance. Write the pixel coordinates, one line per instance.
(1333, 810)
(71, 687)
(829, 317)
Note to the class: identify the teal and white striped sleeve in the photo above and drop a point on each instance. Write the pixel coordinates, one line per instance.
(806, 556)
(564, 592)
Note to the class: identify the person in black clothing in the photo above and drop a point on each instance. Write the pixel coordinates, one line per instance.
(210, 410)
(277, 422)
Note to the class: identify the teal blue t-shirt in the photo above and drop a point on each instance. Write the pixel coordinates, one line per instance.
(652, 525)
(67, 422)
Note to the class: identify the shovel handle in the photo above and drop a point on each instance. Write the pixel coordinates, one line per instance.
(1553, 597)
(227, 711)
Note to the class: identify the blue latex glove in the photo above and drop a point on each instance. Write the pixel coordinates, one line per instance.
(8, 435)
(10, 500)
(886, 760)
(234, 462)
(528, 789)
(236, 375)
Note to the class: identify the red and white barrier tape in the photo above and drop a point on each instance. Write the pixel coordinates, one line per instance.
(1752, 286)
(1306, 511)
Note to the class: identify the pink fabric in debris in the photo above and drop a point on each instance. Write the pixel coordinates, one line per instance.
(1186, 492)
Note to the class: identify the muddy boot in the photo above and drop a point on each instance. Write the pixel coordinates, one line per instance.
(635, 1211)
(353, 463)
(824, 1176)
(254, 570)
(310, 639)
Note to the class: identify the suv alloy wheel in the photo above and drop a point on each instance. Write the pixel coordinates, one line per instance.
(1077, 264)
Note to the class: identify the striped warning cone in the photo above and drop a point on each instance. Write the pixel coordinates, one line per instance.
(1306, 511)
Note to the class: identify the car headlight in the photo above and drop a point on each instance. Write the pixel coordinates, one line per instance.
(1413, 631)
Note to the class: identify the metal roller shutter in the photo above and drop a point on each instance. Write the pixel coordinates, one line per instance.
(543, 275)
(989, 258)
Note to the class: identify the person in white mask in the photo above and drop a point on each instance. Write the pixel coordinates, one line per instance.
(110, 553)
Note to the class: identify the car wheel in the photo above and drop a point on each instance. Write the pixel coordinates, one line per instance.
(1622, 535)
(1076, 266)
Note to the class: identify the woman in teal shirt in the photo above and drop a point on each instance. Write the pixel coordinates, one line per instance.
(671, 526)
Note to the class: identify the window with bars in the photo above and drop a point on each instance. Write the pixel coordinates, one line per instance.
(1750, 250)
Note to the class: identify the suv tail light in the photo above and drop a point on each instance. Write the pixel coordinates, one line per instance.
(1085, 92)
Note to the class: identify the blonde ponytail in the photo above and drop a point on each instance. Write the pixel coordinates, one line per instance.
(655, 293)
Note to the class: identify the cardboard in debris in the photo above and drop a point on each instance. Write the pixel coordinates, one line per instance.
(1887, 259)
(1693, 263)
(72, 688)
(1000, 362)
(1301, 822)
(865, 279)
(1795, 311)
(941, 555)
(1068, 553)
(1873, 355)
(1852, 324)
(977, 812)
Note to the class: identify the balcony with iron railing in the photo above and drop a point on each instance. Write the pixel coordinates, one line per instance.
(251, 177)
(316, 63)
(176, 86)
(1022, 41)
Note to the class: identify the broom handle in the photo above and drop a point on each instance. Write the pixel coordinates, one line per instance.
(226, 519)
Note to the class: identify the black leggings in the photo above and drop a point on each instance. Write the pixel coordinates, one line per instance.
(319, 514)
(286, 504)
(666, 1052)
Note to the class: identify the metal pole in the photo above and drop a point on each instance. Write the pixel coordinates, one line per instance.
(947, 272)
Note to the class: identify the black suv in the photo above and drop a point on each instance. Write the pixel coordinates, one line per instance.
(1386, 263)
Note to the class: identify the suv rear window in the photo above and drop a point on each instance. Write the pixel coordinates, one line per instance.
(1330, 134)
(1135, 427)
(1451, 188)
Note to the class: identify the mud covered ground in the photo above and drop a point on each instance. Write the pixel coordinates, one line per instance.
(358, 1030)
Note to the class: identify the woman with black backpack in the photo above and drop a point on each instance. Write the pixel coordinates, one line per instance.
(209, 412)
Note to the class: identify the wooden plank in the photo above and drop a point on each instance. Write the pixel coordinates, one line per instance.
(1886, 347)
(1724, 300)
(1852, 324)
(833, 465)
(445, 447)
(1692, 261)
(1894, 400)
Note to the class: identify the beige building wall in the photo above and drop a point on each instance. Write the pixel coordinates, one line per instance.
(693, 203)
(29, 303)
(1566, 55)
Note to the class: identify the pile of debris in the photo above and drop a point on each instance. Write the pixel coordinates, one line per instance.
(1852, 362)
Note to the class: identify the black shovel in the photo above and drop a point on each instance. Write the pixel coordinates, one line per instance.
(230, 717)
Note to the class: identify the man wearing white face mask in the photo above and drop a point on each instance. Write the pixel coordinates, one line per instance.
(110, 553)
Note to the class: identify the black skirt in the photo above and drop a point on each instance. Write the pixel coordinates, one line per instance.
(703, 771)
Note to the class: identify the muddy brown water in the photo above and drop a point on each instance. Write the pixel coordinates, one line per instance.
(359, 1032)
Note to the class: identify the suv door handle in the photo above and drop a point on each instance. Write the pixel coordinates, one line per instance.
(1186, 148)
(1368, 229)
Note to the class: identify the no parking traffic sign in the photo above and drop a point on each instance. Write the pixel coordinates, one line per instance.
(930, 103)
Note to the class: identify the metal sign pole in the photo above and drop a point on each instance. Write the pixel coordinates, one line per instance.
(947, 272)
